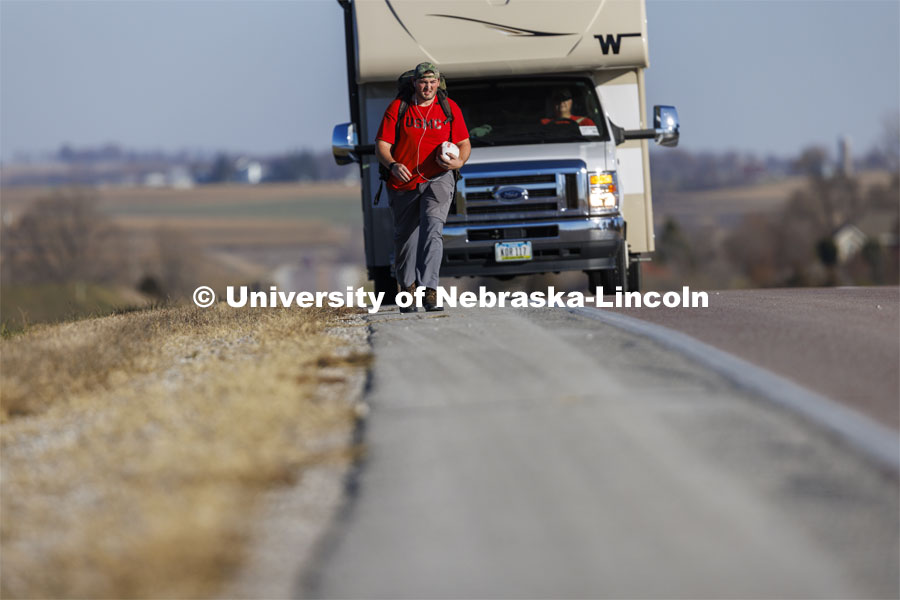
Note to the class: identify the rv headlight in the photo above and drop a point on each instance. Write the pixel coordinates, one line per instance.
(602, 192)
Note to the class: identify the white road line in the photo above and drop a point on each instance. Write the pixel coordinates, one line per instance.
(872, 439)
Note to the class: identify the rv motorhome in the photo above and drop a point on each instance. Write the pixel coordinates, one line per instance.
(541, 192)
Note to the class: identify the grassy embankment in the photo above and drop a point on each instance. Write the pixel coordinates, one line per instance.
(134, 447)
(24, 305)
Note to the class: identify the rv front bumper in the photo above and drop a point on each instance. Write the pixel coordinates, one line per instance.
(561, 245)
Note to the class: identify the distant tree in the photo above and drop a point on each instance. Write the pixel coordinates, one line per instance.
(296, 166)
(674, 248)
(794, 240)
(222, 169)
(812, 161)
(60, 238)
(890, 142)
(885, 196)
(873, 255)
(753, 251)
(66, 153)
(827, 251)
(682, 170)
(176, 263)
(826, 202)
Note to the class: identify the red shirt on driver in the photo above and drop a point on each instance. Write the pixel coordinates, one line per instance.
(580, 120)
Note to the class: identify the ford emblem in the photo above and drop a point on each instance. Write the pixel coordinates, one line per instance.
(510, 193)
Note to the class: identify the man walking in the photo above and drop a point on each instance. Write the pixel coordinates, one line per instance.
(422, 182)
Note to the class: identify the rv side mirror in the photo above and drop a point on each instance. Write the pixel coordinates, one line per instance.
(665, 130)
(343, 144)
(665, 121)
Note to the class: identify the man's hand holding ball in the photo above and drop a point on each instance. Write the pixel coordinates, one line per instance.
(448, 156)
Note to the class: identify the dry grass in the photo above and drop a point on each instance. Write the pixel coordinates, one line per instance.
(135, 446)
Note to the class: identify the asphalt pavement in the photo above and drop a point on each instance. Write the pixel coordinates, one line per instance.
(843, 343)
(538, 453)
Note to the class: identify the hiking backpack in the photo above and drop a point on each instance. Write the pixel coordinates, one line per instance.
(405, 92)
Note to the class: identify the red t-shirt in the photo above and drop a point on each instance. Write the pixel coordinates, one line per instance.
(423, 130)
(580, 120)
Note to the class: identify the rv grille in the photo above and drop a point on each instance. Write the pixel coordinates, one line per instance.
(571, 191)
(512, 180)
(510, 208)
(547, 188)
(539, 193)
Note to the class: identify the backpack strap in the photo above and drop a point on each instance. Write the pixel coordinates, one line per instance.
(444, 101)
(445, 106)
(401, 112)
(378, 194)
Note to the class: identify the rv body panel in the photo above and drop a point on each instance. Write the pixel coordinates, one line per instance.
(377, 219)
(480, 39)
(622, 95)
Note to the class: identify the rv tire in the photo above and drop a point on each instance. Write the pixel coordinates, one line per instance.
(635, 279)
(385, 282)
(610, 279)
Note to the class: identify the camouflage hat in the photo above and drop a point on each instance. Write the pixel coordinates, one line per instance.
(422, 69)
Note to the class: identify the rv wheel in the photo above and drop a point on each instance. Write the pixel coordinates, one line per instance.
(635, 281)
(385, 282)
(597, 278)
(620, 274)
(610, 279)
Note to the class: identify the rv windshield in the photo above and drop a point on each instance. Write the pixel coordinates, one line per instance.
(529, 111)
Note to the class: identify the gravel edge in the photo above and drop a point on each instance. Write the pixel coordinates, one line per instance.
(293, 520)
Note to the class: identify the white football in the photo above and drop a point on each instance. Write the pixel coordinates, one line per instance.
(448, 148)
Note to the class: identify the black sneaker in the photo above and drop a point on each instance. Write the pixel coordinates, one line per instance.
(430, 302)
(412, 307)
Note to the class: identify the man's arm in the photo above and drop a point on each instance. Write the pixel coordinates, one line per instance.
(398, 170)
(465, 149)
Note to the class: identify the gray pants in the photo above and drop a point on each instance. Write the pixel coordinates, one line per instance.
(419, 217)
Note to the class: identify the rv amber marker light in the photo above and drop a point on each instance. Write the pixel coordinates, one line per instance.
(602, 191)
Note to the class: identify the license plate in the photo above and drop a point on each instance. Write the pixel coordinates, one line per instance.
(510, 251)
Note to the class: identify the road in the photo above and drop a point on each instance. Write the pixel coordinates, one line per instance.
(540, 453)
(843, 343)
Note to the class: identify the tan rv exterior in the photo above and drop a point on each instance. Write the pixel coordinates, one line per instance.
(603, 40)
(469, 38)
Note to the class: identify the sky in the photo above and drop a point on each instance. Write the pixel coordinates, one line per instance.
(268, 76)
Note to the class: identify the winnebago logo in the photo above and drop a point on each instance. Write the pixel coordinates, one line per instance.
(613, 41)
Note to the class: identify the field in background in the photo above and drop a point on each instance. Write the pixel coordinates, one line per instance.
(225, 216)
(725, 207)
(302, 236)
(330, 202)
(309, 237)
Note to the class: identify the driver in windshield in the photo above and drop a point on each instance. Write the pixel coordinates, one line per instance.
(562, 109)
